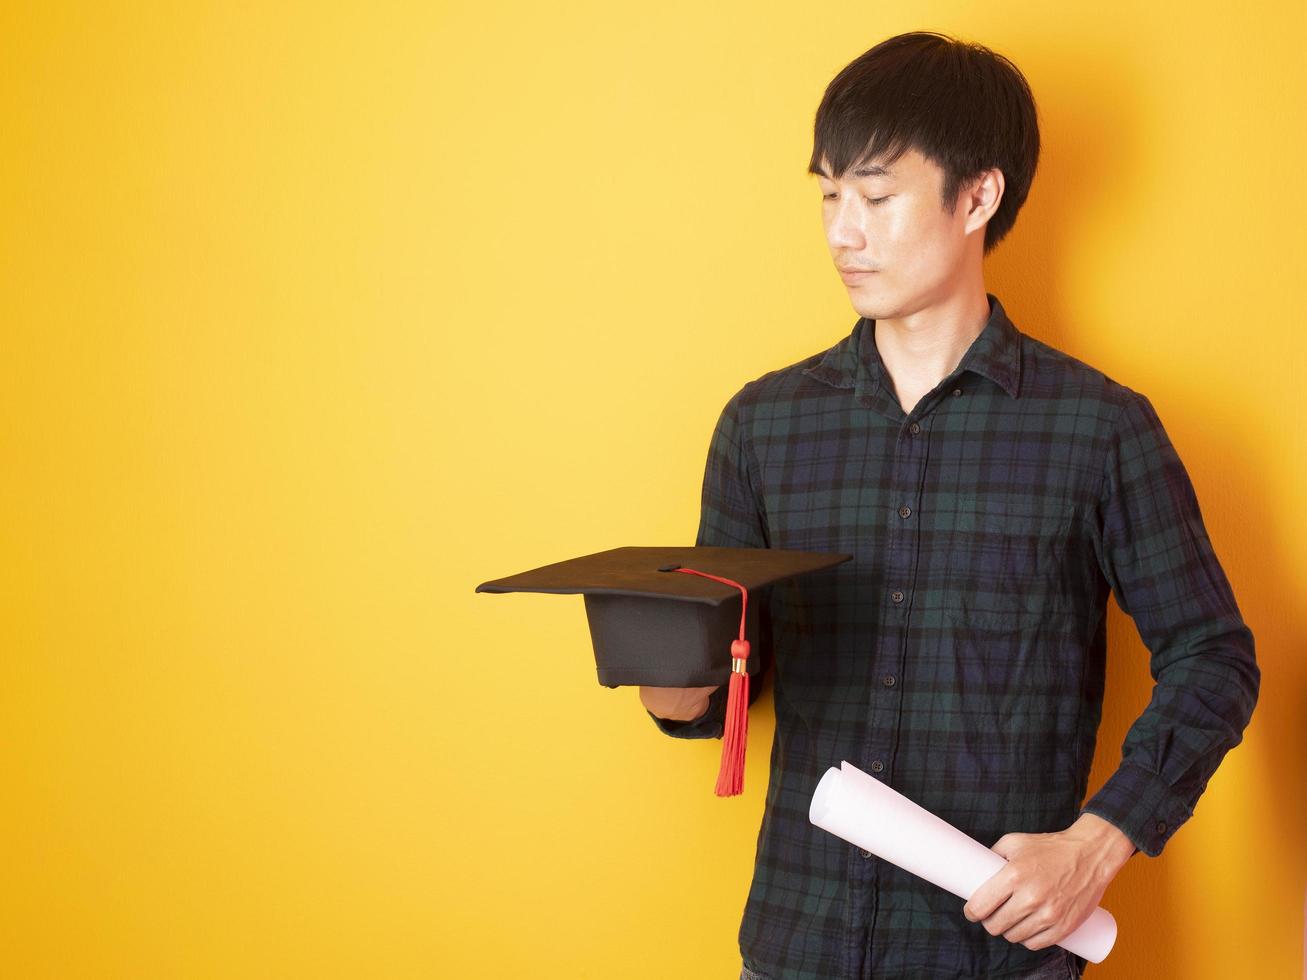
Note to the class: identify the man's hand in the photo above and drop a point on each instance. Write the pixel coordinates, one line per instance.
(676, 703)
(1051, 883)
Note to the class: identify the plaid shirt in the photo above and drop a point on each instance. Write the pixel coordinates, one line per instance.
(960, 655)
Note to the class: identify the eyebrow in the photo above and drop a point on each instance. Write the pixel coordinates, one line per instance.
(872, 170)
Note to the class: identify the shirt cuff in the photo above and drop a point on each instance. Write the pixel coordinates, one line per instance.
(1142, 805)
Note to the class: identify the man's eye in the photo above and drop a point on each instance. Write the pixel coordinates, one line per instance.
(874, 201)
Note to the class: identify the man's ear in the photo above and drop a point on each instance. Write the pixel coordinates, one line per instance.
(983, 197)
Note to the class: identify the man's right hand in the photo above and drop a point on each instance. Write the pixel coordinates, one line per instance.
(676, 703)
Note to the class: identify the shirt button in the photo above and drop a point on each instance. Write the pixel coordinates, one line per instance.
(905, 510)
(896, 595)
(888, 680)
(877, 766)
(956, 392)
(1161, 826)
(914, 428)
(865, 854)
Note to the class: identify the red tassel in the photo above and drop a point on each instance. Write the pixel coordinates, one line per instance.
(735, 737)
(735, 734)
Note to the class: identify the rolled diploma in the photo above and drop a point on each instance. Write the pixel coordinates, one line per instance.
(864, 811)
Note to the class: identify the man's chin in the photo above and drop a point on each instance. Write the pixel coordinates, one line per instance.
(871, 310)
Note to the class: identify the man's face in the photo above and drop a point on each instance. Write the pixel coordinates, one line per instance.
(890, 220)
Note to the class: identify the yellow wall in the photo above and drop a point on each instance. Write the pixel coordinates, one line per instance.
(313, 318)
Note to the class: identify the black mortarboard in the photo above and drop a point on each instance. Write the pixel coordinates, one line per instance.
(675, 617)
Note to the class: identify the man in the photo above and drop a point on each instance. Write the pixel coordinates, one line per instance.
(993, 490)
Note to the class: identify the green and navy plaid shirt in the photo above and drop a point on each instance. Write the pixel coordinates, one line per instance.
(960, 655)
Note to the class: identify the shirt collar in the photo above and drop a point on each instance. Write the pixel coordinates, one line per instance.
(995, 353)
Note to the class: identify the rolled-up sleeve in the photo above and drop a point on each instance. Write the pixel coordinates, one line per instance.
(731, 515)
(1154, 552)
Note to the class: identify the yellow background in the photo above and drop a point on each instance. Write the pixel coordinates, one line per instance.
(314, 317)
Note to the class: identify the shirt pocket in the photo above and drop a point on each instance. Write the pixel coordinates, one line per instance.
(1007, 560)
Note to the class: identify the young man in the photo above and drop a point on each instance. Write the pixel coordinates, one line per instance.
(993, 491)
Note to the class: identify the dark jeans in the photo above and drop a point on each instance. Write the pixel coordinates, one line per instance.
(1061, 966)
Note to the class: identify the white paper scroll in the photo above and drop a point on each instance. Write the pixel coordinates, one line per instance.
(864, 811)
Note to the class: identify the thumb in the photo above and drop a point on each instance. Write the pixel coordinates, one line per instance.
(1007, 845)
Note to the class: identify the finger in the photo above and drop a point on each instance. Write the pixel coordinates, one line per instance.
(1044, 938)
(982, 905)
(1026, 927)
(989, 896)
(1007, 916)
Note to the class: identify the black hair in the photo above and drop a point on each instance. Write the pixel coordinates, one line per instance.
(962, 106)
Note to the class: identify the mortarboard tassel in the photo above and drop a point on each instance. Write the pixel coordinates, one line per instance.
(735, 735)
(730, 777)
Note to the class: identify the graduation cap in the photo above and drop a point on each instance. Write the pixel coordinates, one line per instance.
(676, 617)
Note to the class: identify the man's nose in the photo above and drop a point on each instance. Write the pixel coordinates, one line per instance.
(844, 229)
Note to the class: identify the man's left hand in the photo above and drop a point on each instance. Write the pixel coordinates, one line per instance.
(1051, 882)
